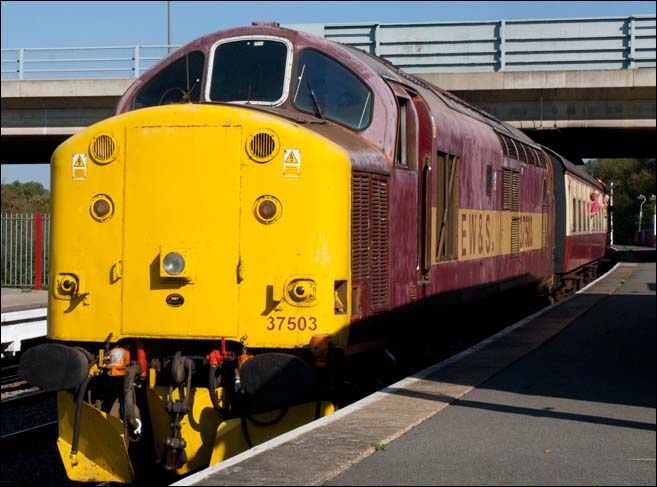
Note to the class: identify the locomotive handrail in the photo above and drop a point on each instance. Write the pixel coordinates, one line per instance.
(499, 45)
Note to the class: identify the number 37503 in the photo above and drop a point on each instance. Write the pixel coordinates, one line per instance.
(291, 323)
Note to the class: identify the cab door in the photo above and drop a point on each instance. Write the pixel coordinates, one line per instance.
(413, 173)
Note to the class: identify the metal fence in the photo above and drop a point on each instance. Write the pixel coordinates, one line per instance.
(25, 239)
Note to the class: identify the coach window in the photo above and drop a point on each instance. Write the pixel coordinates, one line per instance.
(250, 70)
(583, 211)
(178, 82)
(327, 89)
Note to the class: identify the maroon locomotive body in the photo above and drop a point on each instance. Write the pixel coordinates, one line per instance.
(445, 198)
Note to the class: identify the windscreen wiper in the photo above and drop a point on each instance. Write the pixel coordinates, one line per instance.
(188, 93)
(318, 109)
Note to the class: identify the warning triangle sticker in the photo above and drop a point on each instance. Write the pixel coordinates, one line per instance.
(78, 162)
(291, 159)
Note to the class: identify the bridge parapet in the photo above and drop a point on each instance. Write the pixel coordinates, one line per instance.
(598, 43)
(503, 45)
(585, 87)
(102, 62)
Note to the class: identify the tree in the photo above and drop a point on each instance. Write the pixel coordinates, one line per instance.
(631, 178)
(28, 197)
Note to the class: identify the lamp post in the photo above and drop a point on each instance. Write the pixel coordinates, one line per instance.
(654, 219)
(169, 26)
(643, 201)
(611, 213)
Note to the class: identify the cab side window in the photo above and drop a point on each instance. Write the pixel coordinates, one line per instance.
(179, 82)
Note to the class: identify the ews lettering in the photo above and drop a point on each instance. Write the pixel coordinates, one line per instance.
(476, 235)
(526, 234)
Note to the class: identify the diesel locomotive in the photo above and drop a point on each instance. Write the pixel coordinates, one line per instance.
(225, 242)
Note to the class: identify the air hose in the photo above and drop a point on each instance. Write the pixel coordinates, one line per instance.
(245, 417)
(82, 389)
(129, 397)
(212, 386)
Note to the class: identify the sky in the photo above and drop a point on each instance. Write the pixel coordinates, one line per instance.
(89, 23)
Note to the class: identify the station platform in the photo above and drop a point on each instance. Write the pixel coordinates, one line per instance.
(563, 397)
(24, 317)
(18, 299)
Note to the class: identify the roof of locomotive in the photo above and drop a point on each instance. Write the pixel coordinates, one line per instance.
(387, 70)
(368, 67)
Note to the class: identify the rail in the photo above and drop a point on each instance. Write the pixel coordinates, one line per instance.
(500, 45)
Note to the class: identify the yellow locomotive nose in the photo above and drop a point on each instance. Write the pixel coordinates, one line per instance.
(201, 222)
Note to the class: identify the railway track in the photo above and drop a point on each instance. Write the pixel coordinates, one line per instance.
(47, 431)
(15, 387)
(29, 434)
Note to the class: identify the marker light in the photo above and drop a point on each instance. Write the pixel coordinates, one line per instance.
(173, 263)
(102, 207)
(267, 209)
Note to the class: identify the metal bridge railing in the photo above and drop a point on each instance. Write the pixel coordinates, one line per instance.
(501, 45)
(104, 62)
(25, 239)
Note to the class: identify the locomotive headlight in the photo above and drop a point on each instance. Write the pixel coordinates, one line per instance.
(176, 263)
(173, 263)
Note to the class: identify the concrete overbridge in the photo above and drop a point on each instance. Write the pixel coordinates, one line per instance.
(584, 87)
